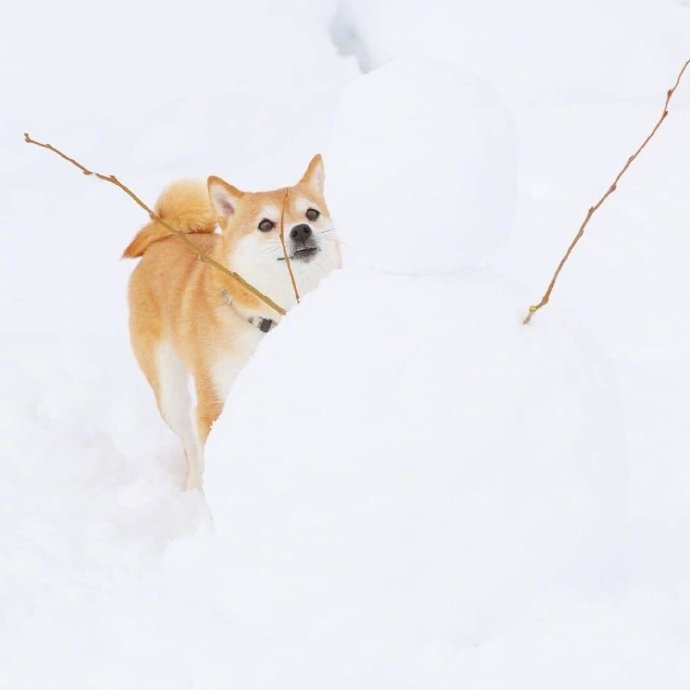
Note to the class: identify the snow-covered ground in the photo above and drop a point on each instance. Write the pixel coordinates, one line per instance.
(434, 496)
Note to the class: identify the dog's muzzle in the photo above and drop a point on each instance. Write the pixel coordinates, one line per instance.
(303, 246)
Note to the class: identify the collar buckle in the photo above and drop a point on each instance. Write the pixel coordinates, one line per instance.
(264, 325)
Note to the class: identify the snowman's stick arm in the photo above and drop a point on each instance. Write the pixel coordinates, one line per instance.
(547, 295)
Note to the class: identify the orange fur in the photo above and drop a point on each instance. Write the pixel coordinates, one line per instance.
(181, 324)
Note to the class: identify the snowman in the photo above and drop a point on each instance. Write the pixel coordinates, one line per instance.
(403, 464)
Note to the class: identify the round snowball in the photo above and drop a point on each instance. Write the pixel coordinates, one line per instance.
(403, 462)
(421, 170)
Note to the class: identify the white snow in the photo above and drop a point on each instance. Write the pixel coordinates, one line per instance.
(430, 490)
(422, 168)
(535, 52)
(408, 488)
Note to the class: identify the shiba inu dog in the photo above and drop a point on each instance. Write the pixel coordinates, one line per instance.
(192, 324)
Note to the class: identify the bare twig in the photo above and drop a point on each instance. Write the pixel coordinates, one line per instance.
(545, 299)
(154, 216)
(282, 242)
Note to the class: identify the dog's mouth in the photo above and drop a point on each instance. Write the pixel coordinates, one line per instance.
(303, 254)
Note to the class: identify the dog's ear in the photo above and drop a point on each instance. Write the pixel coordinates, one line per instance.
(224, 197)
(313, 177)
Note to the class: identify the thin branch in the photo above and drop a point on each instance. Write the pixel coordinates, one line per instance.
(282, 242)
(154, 216)
(545, 299)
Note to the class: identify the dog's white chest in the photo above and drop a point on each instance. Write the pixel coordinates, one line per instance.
(228, 364)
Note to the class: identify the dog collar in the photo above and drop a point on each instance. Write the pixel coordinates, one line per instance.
(264, 325)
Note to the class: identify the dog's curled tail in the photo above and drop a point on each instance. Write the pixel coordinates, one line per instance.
(184, 205)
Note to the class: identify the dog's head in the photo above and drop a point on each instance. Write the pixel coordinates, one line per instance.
(251, 223)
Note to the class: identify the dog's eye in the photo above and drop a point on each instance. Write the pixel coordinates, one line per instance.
(312, 213)
(265, 225)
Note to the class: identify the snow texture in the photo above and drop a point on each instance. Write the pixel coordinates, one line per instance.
(422, 168)
(400, 516)
(408, 490)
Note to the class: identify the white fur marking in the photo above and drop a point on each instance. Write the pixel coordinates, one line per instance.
(176, 408)
(226, 367)
(302, 204)
(257, 260)
(271, 212)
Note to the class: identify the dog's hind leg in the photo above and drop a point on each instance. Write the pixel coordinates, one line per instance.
(175, 405)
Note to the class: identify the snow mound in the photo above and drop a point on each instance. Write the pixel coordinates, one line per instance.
(425, 155)
(403, 463)
(527, 49)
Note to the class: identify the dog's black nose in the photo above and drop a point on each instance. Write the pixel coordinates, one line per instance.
(300, 233)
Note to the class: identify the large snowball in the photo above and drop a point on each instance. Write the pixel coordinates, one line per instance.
(421, 170)
(403, 462)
